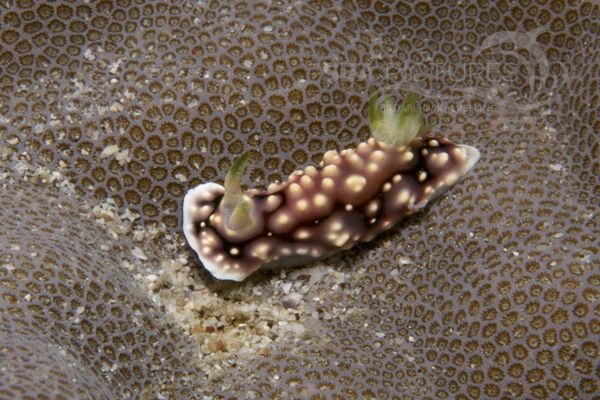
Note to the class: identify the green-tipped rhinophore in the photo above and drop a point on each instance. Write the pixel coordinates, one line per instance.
(395, 127)
(240, 217)
(233, 187)
(237, 211)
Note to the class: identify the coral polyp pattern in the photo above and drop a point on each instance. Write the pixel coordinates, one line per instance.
(111, 111)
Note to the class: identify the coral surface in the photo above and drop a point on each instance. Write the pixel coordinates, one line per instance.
(111, 110)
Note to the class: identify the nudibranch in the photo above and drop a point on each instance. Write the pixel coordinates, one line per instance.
(352, 196)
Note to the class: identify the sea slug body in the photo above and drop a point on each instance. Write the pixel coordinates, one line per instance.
(353, 196)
